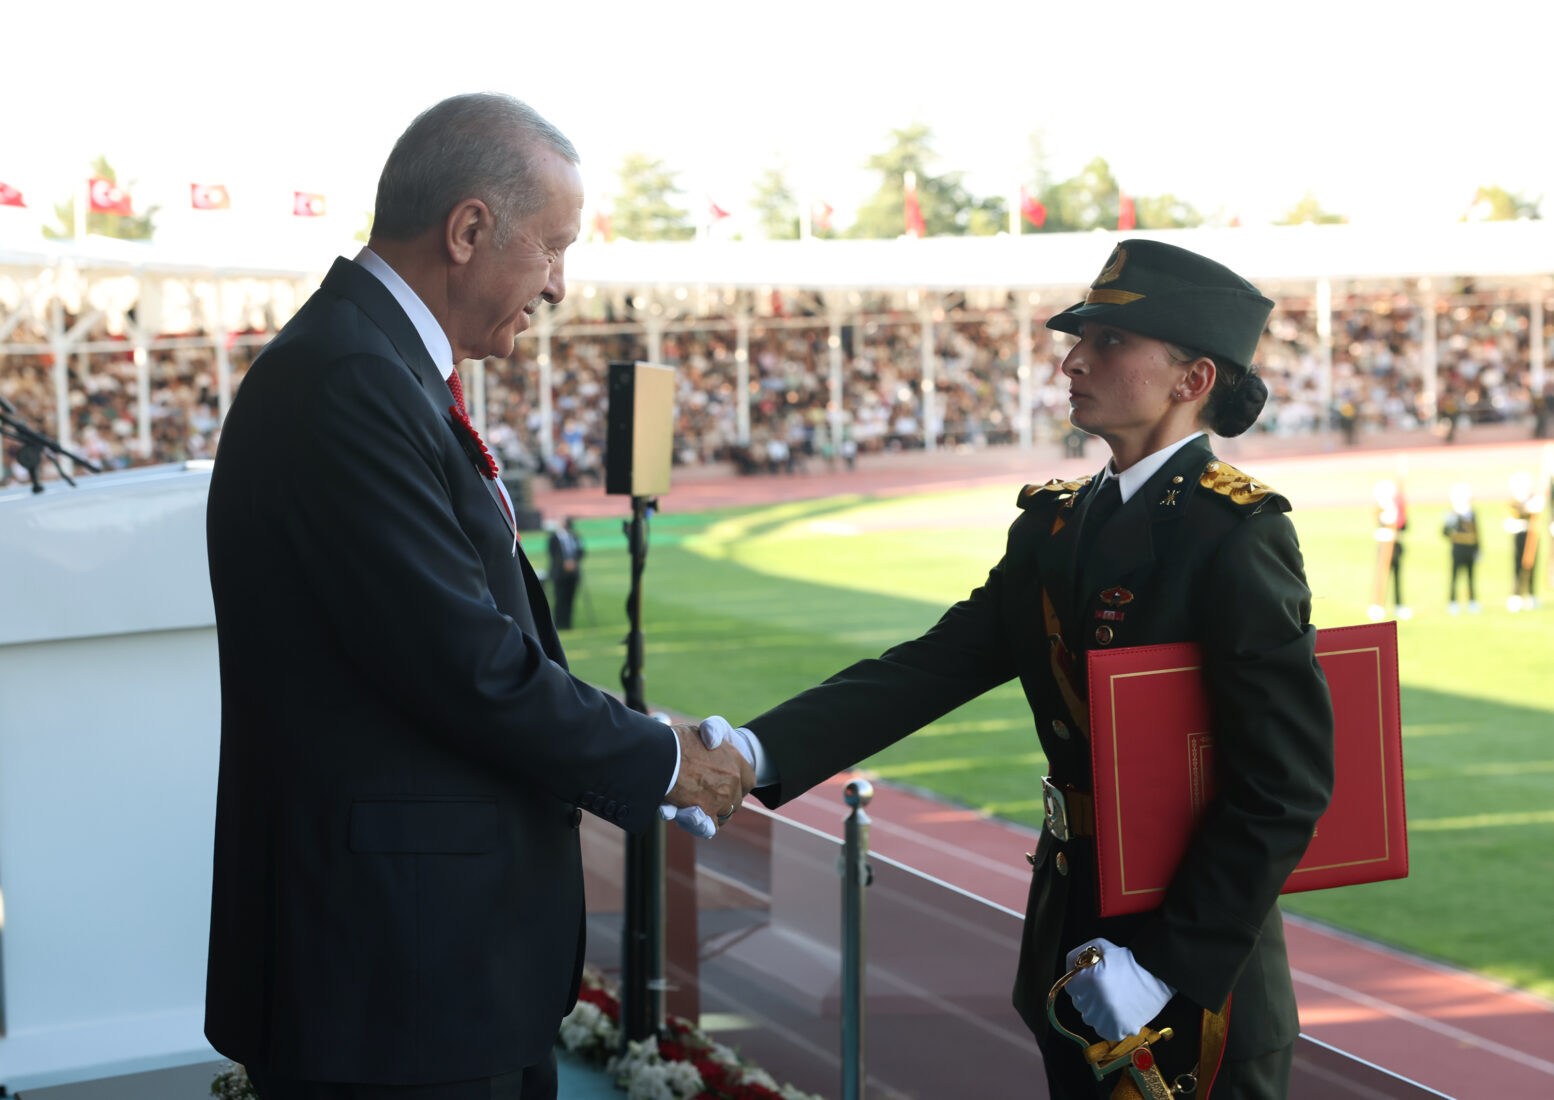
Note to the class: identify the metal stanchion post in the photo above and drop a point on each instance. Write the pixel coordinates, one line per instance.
(642, 942)
(856, 876)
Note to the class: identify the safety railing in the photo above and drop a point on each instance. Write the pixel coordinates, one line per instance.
(755, 954)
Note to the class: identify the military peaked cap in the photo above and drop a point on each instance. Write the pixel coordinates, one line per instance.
(1171, 294)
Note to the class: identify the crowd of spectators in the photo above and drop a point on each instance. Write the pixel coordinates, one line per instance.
(1379, 349)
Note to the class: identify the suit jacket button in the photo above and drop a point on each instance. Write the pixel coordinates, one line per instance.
(1061, 863)
(609, 808)
(575, 818)
(1059, 729)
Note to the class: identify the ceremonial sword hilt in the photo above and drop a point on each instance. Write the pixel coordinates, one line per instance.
(1132, 1055)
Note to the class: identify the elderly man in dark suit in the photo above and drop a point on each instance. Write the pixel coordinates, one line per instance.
(398, 901)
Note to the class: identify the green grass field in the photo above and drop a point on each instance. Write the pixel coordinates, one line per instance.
(744, 608)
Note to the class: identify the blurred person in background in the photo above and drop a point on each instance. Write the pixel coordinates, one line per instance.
(1391, 519)
(1461, 528)
(1525, 506)
(397, 904)
(566, 569)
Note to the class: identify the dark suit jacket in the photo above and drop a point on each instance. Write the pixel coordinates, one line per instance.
(557, 548)
(1216, 563)
(398, 889)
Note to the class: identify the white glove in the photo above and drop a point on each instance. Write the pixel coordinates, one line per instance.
(1116, 996)
(693, 819)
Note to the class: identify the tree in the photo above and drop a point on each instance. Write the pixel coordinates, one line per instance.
(949, 209)
(644, 207)
(1165, 212)
(1087, 201)
(1092, 199)
(1496, 204)
(126, 227)
(1308, 211)
(775, 206)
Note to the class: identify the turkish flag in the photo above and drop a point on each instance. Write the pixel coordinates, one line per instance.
(714, 211)
(1031, 209)
(604, 226)
(914, 212)
(305, 204)
(10, 196)
(1126, 219)
(209, 196)
(107, 197)
(820, 215)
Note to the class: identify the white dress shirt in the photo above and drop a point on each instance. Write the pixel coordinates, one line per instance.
(1132, 479)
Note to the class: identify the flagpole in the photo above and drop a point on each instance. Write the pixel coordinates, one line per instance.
(83, 196)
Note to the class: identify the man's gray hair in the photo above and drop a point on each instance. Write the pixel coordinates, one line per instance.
(479, 146)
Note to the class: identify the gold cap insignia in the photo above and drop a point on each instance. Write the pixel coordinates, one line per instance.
(1113, 269)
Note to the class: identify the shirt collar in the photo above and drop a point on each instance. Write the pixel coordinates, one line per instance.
(432, 336)
(1133, 478)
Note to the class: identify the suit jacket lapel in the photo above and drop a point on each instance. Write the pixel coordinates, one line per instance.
(349, 279)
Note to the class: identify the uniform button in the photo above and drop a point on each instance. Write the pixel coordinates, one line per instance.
(1177, 480)
(609, 808)
(1059, 729)
(1061, 863)
(1212, 467)
(1103, 635)
(575, 818)
(1030, 857)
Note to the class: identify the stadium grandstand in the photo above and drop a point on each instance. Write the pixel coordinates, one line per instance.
(789, 351)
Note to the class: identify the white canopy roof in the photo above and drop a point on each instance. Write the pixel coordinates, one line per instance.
(1517, 251)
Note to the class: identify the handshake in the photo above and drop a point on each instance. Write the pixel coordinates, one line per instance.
(718, 766)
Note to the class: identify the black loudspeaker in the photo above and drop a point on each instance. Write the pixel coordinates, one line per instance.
(639, 437)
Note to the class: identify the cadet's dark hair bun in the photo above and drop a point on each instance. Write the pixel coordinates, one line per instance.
(1235, 408)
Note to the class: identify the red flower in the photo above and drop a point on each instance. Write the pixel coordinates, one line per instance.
(601, 1000)
(713, 1074)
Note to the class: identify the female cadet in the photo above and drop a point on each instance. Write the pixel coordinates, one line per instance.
(1166, 544)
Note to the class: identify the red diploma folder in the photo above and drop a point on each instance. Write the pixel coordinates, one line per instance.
(1153, 760)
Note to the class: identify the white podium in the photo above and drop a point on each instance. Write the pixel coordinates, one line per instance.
(109, 733)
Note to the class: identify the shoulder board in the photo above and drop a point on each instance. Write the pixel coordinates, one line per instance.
(1054, 491)
(1240, 489)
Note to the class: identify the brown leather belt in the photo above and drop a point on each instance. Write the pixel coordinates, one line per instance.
(1070, 813)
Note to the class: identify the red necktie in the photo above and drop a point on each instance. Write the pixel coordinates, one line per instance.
(457, 388)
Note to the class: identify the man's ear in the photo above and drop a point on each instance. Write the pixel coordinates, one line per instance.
(469, 224)
(1199, 379)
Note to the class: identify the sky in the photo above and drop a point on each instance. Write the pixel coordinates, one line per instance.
(1387, 112)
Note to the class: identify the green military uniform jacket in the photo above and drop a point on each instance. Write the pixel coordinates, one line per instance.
(1208, 556)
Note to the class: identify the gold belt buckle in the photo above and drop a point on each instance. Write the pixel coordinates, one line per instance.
(1056, 809)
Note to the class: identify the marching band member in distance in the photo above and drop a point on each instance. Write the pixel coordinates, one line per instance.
(1166, 544)
(1461, 527)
